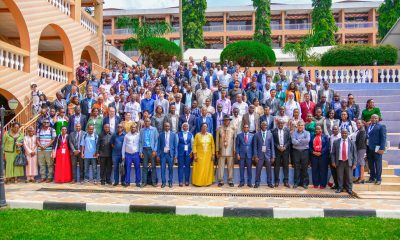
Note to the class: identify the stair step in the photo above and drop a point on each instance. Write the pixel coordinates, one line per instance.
(387, 171)
(388, 178)
(385, 186)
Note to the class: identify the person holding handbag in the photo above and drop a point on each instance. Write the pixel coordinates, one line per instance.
(63, 169)
(12, 143)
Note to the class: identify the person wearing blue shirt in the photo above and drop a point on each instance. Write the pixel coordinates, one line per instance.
(167, 153)
(148, 141)
(116, 142)
(185, 142)
(300, 141)
(88, 151)
(203, 118)
(147, 103)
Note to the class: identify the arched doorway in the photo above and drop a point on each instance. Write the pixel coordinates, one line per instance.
(91, 58)
(4, 97)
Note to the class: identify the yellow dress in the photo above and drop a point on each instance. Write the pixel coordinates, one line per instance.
(203, 168)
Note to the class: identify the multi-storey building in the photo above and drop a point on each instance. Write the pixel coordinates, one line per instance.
(356, 21)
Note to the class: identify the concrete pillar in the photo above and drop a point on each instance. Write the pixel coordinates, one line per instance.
(112, 29)
(225, 22)
(98, 16)
(76, 10)
(283, 40)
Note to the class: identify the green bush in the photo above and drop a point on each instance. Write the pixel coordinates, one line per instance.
(159, 50)
(359, 55)
(246, 52)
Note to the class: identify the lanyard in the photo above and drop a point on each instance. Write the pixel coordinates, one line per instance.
(370, 128)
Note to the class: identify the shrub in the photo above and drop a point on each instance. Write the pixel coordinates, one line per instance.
(159, 50)
(246, 52)
(359, 55)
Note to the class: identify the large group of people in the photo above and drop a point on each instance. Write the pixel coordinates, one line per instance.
(204, 117)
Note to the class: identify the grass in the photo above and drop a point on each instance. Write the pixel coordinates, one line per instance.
(36, 224)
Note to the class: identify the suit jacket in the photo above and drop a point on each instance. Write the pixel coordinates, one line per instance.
(106, 120)
(243, 149)
(71, 122)
(153, 139)
(258, 142)
(351, 152)
(269, 120)
(313, 96)
(377, 137)
(331, 93)
(169, 120)
(215, 97)
(173, 144)
(73, 143)
(273, 105)
(286, 138)
(325, 144)
(185, 95)
(246, 120)
(191, 122)
(181, 108)
(85, 106)
(120, 109)
(324, 110)
(209, 122)
(305, 110)
(182, 143)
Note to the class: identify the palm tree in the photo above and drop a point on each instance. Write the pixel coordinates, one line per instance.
(302, 50)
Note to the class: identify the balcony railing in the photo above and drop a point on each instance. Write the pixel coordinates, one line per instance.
(239, 28)
(53, 70)
(176, 29)
(298, 26)
(339, 25)
(276, 26)
(353, 25)
(107, 31)
(88, 22)
(123, 31)
(12, 56)
(219, 28)
(63, 5)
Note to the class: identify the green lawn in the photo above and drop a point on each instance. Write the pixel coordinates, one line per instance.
(35, 224)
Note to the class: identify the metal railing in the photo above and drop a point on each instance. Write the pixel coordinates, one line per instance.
(353, 25)
(276, 26)
(239, 27)
(21, 117)
(219, 28)
(123, 31)
(107, 31)
(298, 26)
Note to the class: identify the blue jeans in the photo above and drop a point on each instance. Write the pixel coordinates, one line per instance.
(184, 168)
(116, 161)
(166, 158)
(129, 158)
(245, 162)
(89, 161)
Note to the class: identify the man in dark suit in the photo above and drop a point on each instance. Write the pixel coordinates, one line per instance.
(325, 107)
(252, 119)
(267, 117)
(112, 119)
(327, 92)
(77, 118)
(264, 154)
(282, 151)
(188, 118)
(74, 142)
(218, 118)
(273, 103)
(118, 105)
(204, 119)
(216, 95)
(376, 148)
(87, 104)
(179, 106)
(189, 96)
(344, 159)
(167, 151)
(244, 154)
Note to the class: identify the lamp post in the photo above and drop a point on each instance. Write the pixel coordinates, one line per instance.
(13, 104)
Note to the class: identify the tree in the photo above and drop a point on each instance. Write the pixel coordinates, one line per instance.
(142, 30)
(262, 32)
(389, 12)
(323, 23)
(302, 51)
(249, 53)
(159, 50)
(194, 19)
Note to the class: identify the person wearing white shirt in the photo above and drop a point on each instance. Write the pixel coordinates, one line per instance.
(242, 106)
(130, 153)
(291, 105)
(225, 78)
(133, 108)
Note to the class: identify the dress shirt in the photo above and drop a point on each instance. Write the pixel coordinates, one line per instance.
(226, 105)
(334, 138)
(167, 135)
(147, 136)
(112, 124)
(131, 143)
(252, 123)
(281, 137)
(341, 149)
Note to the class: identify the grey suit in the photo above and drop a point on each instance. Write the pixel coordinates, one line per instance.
(282, 158)
(74, 144)
(264, 157)
(174, 126)
(343, 168)
(329, 98)
(273, 105)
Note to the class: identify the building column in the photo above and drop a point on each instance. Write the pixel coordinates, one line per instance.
(76, 10)
(112, 29)
(98, 16)
(343, 38)
(283, 36)
(372, 18)
(225, 22)
(253, 21)
(224, 41)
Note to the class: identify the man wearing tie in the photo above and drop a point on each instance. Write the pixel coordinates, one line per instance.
(264, 154)
(204, 119)
(244, 154)
(188, 118)
(344, 159)
(185, 142)
(282, 149)
(225, 150)
(74, 141)
(167, 153)
(376, 148)
(267, 117)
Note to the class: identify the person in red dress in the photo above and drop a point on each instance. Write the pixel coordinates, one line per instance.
(63, 169)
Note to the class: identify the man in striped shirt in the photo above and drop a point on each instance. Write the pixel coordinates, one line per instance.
(45, 138)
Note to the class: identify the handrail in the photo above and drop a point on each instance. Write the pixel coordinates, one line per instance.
(14, 49)
(31, 122)
(19, 117)
(54, 64)
(89, 17)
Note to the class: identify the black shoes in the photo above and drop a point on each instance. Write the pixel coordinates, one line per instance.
(295, 186)
(339, 190)
(115, 184)
(276, 185)
(103, 183)
(231, 184)
(378, 183)
(170, 185)
(162, 185)
(257, 185)
(371, 181)
(249, 185)
(305, 186)
(138, 185)
(220, 184)
(350, 192)
(270, 185)
(241, 185)
(187, 184)
(286, 185)
(143, 185)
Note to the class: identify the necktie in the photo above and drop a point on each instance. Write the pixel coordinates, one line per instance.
(310, 96)
(246, 138)
(344, 155)
(263, 135)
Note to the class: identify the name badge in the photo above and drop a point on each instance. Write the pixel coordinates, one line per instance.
(264, 149)
(63, 151)
(166, 149)
(186, 148)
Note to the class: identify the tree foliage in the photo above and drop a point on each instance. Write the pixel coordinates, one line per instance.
(249, 53)
(262, 32)
(142, 30)
(159, 50)
(194, 18)
(302, 51)
(323, 23)
(389, 12)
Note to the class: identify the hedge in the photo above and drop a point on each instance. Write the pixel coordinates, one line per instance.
(359, 55)
(246, 52)
(159, 50)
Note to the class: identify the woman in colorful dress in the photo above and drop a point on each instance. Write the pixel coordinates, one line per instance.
(96, 121)
(30, 147)
(63, 169)
(60, 120)
(203, 155)
(12, 143)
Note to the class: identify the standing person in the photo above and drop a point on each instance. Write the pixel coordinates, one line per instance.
(87, 104)
(60, 120)
(332, 138)
(30, 147)
(167, 153)
(244, 154)
(60, 102)
(307, 107)
(130, 153)
(157, 120)
(370, 110)
(12, 143)
(148, 142)
(75, 119)
(319, 149)
(74, 141)
(327, 92)
(330, 122)
(353, 106)
(361, 146)
(62, 173)
(112, 120)
(252, 119)
(267, 117)
(376, 148)
(300, 140)
(44, 139)
(188, 118)
(88, 152)
(103, 149)
(264, 154)
(185, 142)
(147, 103)
(172, 119)
(35, 95)
(203, 155)
(225, 146)
(204, 119)
(117, 140)
(282, 141)
(344, 159)
(96, 121)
